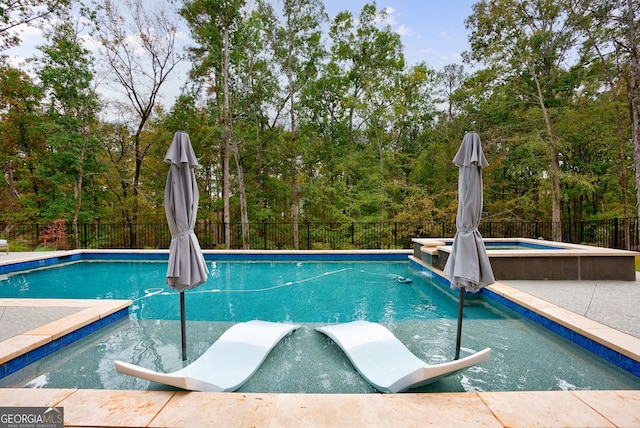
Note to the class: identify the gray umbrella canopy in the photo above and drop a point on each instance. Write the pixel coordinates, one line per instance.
(187, 268)
(468, 266)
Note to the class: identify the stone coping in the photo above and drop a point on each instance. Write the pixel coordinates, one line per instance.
(432, 246)
(89, 312)
(97, 408)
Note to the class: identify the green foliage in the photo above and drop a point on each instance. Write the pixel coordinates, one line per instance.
(22, 12)
(332, 122)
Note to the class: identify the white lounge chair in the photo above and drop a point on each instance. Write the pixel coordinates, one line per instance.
(385, 362)
(4, 245)
(227, 364)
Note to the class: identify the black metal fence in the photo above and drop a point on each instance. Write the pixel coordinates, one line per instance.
(611, 233)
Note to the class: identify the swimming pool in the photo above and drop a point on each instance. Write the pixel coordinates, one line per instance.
(422, 314)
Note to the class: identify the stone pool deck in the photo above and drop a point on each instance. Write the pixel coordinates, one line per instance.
(606, 309)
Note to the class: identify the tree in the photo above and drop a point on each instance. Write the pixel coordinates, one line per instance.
(604, 55)
(448, 81)
(67, 79)
(411, 128)
(530, 40)
(298, 49)
(211, 24)
(16, 13)
(232, 65)
(21, 148)
(631, 46)
(140, 51)
(372, 63)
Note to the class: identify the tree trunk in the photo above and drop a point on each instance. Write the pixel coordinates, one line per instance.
(225, 147)
(294, 168)
(554, 167)
(244, 215)
(622, 174)
(12, 183)
(76, 212)
(633, 101)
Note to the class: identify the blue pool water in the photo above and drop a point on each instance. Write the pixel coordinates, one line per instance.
(309, 291)
(514, 246)
(422, 314)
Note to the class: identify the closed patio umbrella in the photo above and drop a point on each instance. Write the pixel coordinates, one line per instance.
(468, 266)
(187, 268)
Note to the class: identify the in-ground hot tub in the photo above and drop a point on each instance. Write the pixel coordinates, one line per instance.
(523, 258)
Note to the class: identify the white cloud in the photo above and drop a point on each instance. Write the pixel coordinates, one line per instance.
(403, 30)
(16, 61)
(26, 31)
(390, 18)
(452, 57)
(90, 43)
(181, 35)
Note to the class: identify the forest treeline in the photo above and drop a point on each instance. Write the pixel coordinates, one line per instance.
(297, 117)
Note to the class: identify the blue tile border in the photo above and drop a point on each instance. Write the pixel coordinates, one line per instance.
(584, 342)
(524, 245)
(34, 355)
(209, 256)
(33, 264)
(124, 256)
(308, 256)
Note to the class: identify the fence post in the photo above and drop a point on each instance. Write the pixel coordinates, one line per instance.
(395, 233)
(615, 233)
(264, 234)
(353, 233)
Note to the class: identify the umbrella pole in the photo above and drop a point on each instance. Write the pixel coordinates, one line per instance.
(459, 333)
(183, 326)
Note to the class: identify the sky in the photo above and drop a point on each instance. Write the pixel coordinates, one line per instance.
(431, 30)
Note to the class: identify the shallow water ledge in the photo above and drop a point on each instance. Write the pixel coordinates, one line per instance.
(617, 347)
